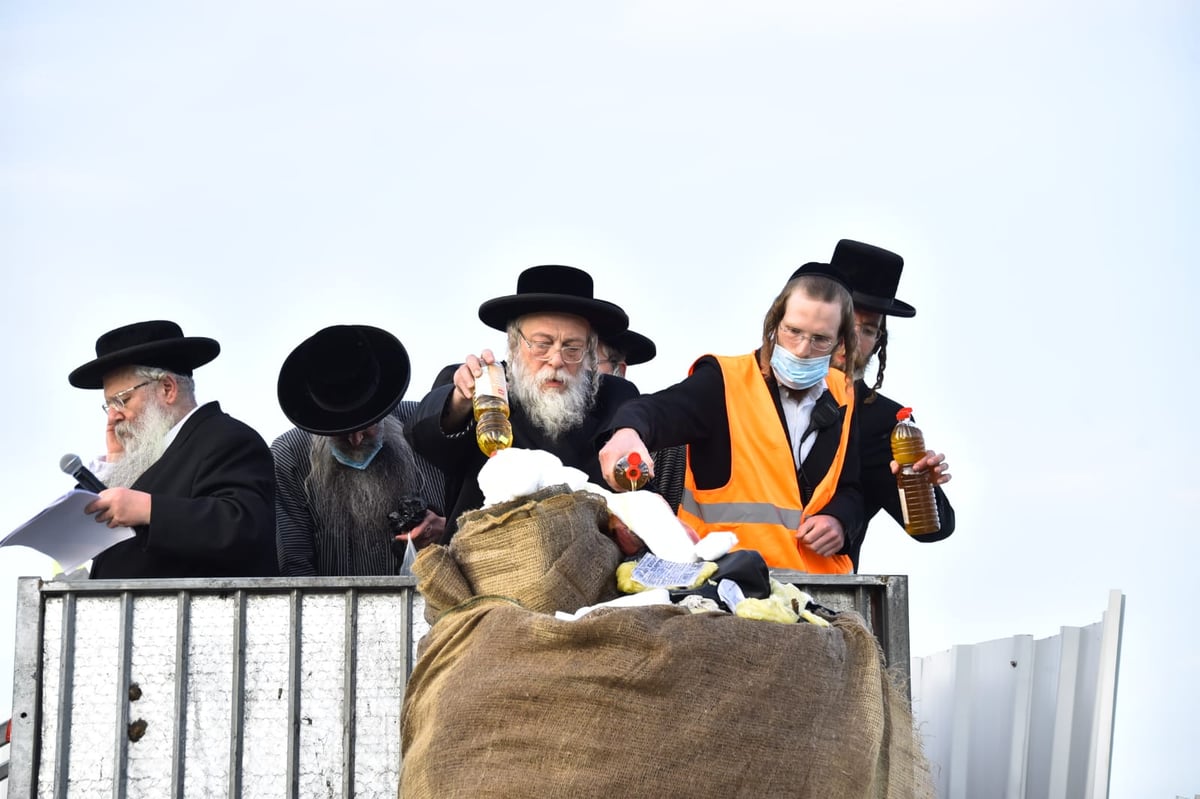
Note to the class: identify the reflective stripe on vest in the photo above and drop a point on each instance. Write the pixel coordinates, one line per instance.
(761, 503)
(744, 512)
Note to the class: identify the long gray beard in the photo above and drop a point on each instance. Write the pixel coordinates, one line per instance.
(350, 506)
(144, 440)
(554, 412)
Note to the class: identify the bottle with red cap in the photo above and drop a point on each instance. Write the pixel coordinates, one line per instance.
(630, 472)
(917, 500)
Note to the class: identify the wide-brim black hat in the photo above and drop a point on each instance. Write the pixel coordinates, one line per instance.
(874, 275)
(158, 343)
(635, 347)
(555, 289)
(342, 379)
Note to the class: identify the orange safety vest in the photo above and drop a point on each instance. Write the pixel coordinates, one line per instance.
(761, 502)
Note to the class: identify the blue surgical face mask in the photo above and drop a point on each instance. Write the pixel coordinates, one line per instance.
(362, 462)
(798, 373)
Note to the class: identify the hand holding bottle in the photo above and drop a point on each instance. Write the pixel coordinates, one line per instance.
(480, 391)
(464, 381)
(624, 443)
(934, 462)
(917, 501)
(493, 430)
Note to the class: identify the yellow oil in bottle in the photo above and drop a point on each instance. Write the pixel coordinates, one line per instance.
(917, 500)
(493, 430)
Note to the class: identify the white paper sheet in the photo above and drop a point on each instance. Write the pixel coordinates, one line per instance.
(67, 534)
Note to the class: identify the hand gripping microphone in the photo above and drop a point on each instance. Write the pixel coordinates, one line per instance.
(73, 466)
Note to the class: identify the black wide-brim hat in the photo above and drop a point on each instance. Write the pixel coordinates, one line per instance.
(555, 289)
(874, 275)
(342, 379)
(158, 343)
(636, 347)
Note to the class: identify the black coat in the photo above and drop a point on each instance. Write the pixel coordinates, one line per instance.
(460, 459)
(693, 412)
(876, 420)
(212, 507)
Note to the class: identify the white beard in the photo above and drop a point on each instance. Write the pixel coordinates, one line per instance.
(557, 411)
(144, 440)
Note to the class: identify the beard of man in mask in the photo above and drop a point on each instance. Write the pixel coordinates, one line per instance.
(351, 505)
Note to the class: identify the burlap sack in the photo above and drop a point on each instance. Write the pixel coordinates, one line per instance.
(546, 551)
(653, 702)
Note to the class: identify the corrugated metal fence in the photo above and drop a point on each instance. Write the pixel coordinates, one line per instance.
(245, 688)
(1022, 719)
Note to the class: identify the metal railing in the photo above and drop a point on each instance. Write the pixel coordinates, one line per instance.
(236, 687)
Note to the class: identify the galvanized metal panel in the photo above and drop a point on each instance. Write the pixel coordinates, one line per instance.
(384, 649)
(322, 665)
(1022, 718)
(93, 682)
(53, 709)
(151, 696)
(265, 717)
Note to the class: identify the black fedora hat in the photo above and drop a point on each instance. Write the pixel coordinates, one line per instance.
(555, 289)
(822, 270)
(874, 275)
(634, 346)
(343, 378)
(157, 343)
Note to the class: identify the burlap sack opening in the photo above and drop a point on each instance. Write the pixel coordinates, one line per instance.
(547, 551)
(653, 702)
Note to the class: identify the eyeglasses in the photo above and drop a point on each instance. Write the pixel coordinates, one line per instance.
(543, 350)
(117, 401)
(869, 331)
(818, 343)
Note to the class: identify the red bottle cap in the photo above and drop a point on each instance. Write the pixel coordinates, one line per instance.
(903, 414)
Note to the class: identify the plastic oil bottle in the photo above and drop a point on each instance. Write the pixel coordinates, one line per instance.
(630, 472)
(917, 500)
(493, 430)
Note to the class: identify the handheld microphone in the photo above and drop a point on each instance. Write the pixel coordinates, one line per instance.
(73, 466)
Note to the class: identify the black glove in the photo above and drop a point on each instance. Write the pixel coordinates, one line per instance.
(409, 515)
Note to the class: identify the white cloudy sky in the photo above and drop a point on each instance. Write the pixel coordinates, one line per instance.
(258, 170)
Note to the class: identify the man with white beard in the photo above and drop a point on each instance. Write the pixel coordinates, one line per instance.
(346, 466)
(195, 484)
(558, 399)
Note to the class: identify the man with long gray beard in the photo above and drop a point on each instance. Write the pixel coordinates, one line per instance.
(195, 484)
(558, 399)
(346, 467)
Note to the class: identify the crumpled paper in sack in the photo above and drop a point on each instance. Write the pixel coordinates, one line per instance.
(514, 472)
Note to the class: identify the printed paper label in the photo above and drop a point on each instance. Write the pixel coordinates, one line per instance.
(654, 572)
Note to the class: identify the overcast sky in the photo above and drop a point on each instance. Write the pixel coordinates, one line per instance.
(259, 170)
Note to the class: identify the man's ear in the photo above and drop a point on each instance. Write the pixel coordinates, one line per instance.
(170, 389)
